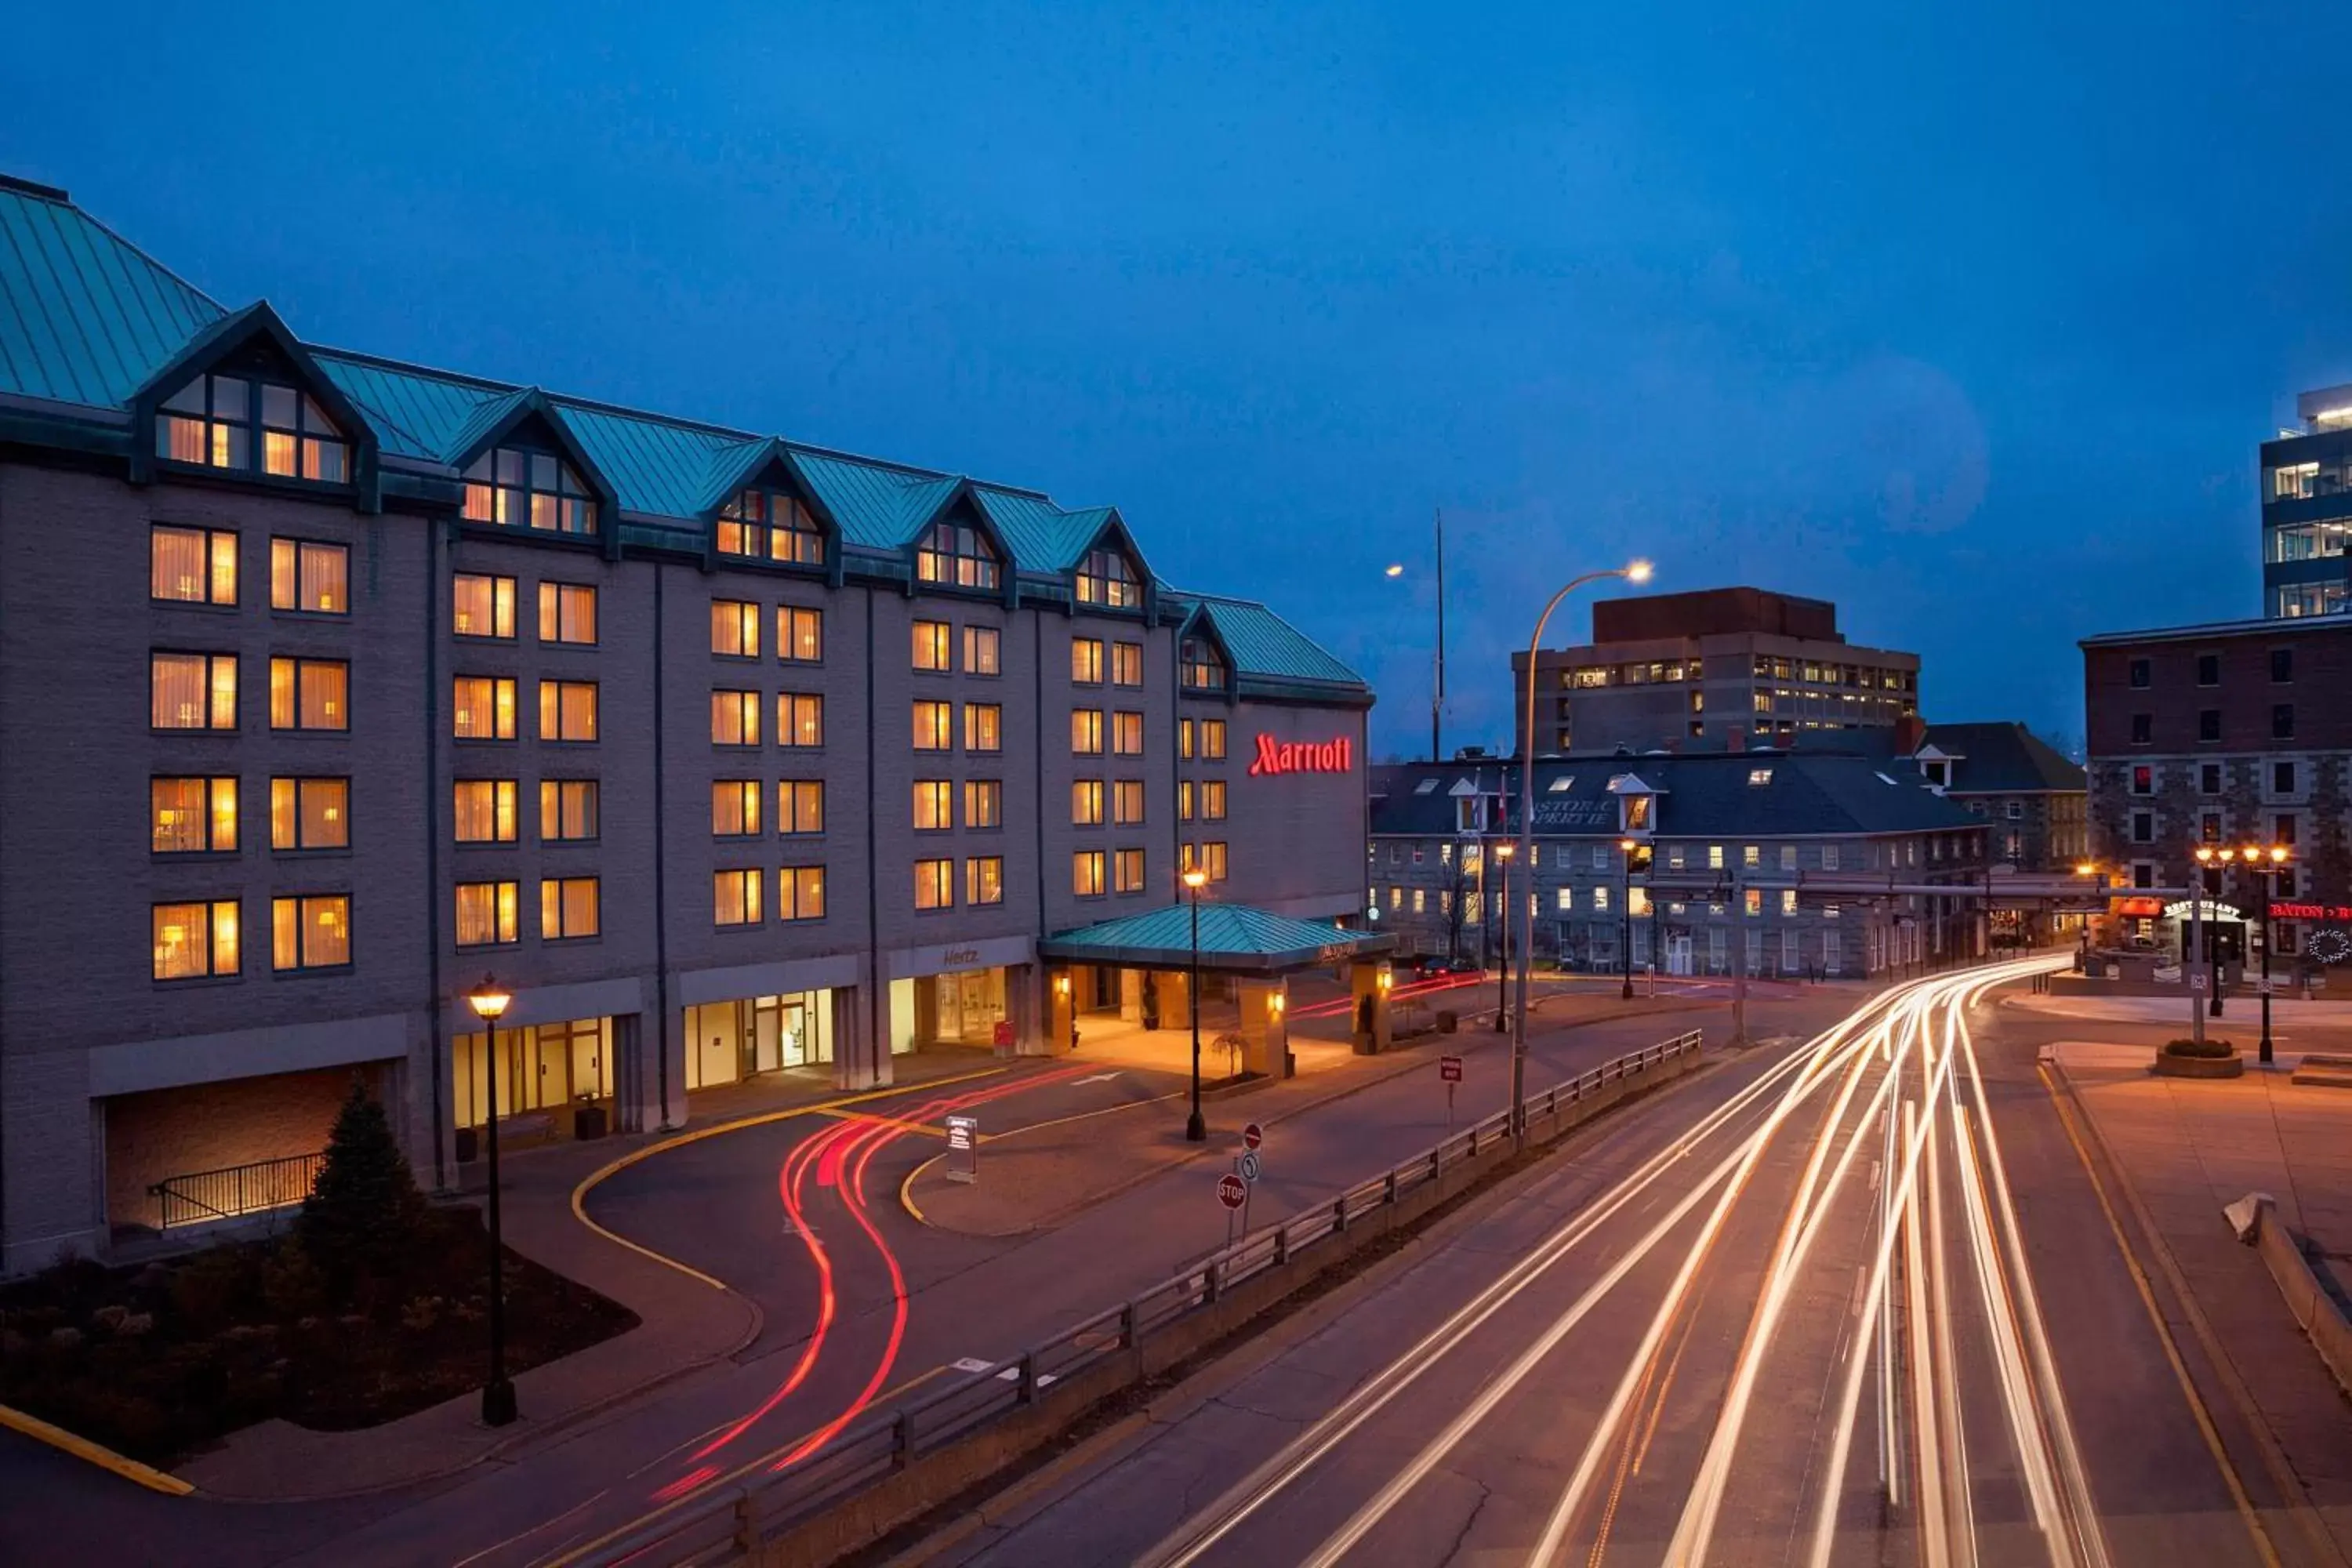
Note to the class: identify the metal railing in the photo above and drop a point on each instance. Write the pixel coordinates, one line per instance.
(232, 1190)
(735, 1517)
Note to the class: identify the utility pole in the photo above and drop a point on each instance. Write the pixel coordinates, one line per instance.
(1437, 689)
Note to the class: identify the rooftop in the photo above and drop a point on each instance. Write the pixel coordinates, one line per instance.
(2209, 631)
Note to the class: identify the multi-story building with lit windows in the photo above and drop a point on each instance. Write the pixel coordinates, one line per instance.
(2307, 510)
(330, 685)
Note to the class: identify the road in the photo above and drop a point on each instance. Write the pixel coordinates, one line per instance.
(1852, 1302)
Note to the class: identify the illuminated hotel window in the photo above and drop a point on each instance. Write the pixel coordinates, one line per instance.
(567, 614)
(311, 932)
(1085, 803)
(983, 880)
(309, 694)
(800, 635)
(482, 708)
(736, 897)
(1184, 800)
(1184, 750)
(983, 803)
(193, 815)
(484, 811)
(482, 605)
(764, 524)
(1127, 664)
(735, 628)
(934, 726)
(934, 806)
(1087, 868)
(735, 807)
(1126, 734)
(983, 727)
(567, 711)
(515, 488)
(799, 806)
(310, 814)
(1212, 800)
(568, 810)
(1085, 731)
(932, 646)
(1127, 871)
(309, 576)
(982, 646)
(734, 717)
(196, 941)
(568, 908)
(1086, 662)
(209, 422)
(1212, 739)
(800, 893)
(1105, 578)
(1127, 802)
(485, 913)
(956, 554)
(800, 720)
(934, 884)
(193, 691)
(1213, 858)
(1203, 668)
(192, 565)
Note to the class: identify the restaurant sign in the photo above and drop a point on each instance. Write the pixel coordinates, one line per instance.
(2281, 911)
(1302, 756)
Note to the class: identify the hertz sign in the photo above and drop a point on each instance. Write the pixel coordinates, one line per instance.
(1302, 756)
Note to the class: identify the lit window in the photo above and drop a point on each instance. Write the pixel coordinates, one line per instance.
(193, 691)
(983, 803)
(1127, 664)
(196, 941)
(567, 810)
(800, 720)
(934, 806)
(983, 880)
(736, 897)
(1714, 857)
(193, 815)
(484, 606)
(567, 614)
(209, 422)
(568, 908)
(310, 577)
(1212, 800)
(931, 647)
(1752, 857)
(1788, 902)
(1106, 578)
(934, 726)
(1126, 803)
(516, 488)
(767, 525)
(1184, 750)
(983, 727)
(735, 807)
(983, 648)
(567, 711)
(956, 554)
(934, 884)
(1559, 785)
(1212, 861)
(1184, 800)
(734, 717)
(1212, 739)
(1203, 668)
(1127, 871)
(485, 913)
(482, 708)
(1085, 803)
(799, 806)
(800, 893)
(1126, 734)
(1087, 867)
(309, 694)
(1085, 731)
(311, 932)
(735, 628)
(192, 565)
(1564, 900)
(1086, 662)
(483, 812)
(800, 635)
(309, 814)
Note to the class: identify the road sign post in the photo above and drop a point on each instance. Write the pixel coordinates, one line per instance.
(964, 1148)
(1232, 1193)
(1251, 1165)
(1449, 1069)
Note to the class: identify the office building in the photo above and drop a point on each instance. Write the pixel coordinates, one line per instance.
(2307, 510)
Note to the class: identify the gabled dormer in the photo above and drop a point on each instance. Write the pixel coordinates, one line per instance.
(1109, 573)
(524, 470)
(246, 400)
(1205, 665)
(1637, 805)
(1937, 766)
(956, 549)
(763, 510)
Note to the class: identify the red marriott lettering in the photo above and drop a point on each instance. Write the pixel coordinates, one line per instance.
(1302, 756)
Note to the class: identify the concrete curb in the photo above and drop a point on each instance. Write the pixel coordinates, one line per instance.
(2316, 1312)
(91, 1453)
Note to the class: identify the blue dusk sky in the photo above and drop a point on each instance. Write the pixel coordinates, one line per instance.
(1968, 318)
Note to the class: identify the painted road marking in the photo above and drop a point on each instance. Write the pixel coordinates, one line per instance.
(83, 1448)
(971, 1363)
(1099, 1077)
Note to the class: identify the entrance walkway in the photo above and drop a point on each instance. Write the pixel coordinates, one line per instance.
(1118, 1042)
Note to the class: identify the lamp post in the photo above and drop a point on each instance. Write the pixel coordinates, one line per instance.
(1633, 572)
(1196, 1127)
(2265, 864)
(1502, 970)
(2083, 926)
(2209, 856)
(1625, 848)
(490, 1004)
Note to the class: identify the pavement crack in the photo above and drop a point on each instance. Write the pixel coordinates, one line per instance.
(1470, 1521)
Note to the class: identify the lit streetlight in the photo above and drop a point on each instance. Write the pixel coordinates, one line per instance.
(1503, 852)
(490, 1004)
(1625, 848)
(1196, 1126)
(2263, 862)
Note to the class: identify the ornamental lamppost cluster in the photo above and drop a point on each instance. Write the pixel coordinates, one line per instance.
(2264, 862)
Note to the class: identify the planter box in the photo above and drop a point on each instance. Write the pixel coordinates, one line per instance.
(2169, 1066)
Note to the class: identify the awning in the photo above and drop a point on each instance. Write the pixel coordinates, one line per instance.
(1235, 938)
(2139, 909)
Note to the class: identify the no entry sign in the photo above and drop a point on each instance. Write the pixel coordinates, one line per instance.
(1232, 1191)
(1252, 1135)
(1449, 1069)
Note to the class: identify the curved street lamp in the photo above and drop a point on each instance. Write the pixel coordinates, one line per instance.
(1632, 572)
(1625, 848)
(489, 1004)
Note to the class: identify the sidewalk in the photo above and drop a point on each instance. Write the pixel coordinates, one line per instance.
(2243, 1022)
(686, 1322)
(2186, 1148)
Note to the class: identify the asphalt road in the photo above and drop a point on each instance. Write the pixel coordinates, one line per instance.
(1851, 1303)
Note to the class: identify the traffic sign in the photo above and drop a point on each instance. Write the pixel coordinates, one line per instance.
(1449, 1069)
(1249, 1165)
(2196, 982)
(2266, 985)
(1232, 1191)
(1252, 1135)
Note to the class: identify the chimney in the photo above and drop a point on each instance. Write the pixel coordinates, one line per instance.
(1734, 737)
(1910, 734)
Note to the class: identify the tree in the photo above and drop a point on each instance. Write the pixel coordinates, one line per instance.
(1457, 882)
(364, 1214)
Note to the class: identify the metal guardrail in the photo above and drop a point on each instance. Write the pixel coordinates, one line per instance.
(735, 1518)
(234, 1190)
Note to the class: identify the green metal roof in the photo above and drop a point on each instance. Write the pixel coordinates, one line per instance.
(85, 317)
(417, 414)
(1234, 937)
(1262, 642)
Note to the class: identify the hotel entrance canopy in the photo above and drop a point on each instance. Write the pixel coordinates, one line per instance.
(1235, 939)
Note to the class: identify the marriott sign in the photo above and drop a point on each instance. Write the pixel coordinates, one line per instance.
(1302, 756)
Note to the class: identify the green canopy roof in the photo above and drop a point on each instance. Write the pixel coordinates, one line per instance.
(1234, 938)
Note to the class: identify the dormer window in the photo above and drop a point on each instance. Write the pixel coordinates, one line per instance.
(1637, 813)
(1105, 578)
(1939, 773)
(211, 423)
(1203, 668)
(514, 488)
(767, 525)
(956, 554)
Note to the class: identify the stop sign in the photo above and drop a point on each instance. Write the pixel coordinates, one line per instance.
(1252, 1135)
(1231, 1191)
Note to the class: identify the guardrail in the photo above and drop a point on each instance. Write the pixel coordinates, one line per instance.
(736, 1519)
(232, 1190)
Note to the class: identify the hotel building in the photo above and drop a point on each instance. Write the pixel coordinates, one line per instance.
(330, 685)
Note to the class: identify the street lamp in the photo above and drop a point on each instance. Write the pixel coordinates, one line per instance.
(2209, 856)
(1633, 572)
(2083, 926)
(490, 1004)
(1503, 852)
(1625, 848)
(2265, 864)
(1196, 1127)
